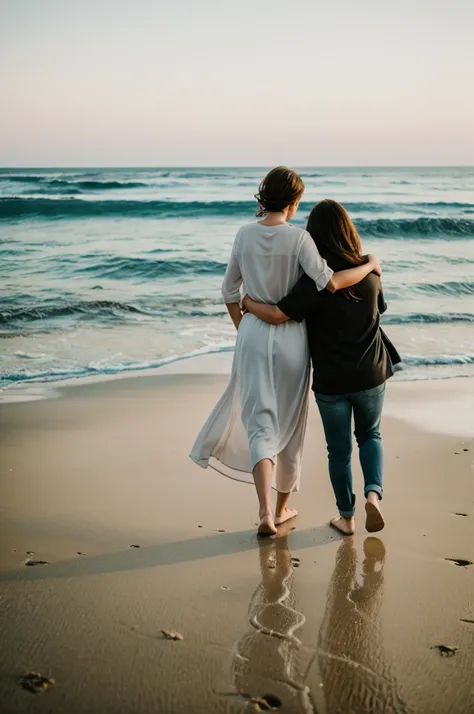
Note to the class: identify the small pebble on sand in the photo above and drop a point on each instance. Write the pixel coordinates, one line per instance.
(172, 635)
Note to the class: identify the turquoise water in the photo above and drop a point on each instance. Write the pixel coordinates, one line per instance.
(112, 270)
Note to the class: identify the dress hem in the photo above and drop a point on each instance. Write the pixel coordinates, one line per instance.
(204, 464)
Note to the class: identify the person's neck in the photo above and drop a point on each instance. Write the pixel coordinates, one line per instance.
(276, 218)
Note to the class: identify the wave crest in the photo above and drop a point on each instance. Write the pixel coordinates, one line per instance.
(81, 307)
(136, 267)
(427, 318)
(16, 208)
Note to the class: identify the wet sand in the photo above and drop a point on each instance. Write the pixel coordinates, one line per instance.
(318, 622)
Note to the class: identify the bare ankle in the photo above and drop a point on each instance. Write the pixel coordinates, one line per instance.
(344, 525)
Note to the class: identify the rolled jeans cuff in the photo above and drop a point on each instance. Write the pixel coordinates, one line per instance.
(374, 487)
(347, 514)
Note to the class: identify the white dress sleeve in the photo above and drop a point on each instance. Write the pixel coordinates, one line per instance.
(312, 263)
(233, 277)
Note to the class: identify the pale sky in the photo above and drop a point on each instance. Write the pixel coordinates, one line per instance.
(236, 82)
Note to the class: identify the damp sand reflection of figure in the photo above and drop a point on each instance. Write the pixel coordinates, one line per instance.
(355, 670)
(269, 659)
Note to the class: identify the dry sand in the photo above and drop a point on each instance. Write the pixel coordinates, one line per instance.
(348, 626)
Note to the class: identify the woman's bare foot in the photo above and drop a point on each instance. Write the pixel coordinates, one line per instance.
(346, 526)
(285, 515)
(374, 520)
(266, 526)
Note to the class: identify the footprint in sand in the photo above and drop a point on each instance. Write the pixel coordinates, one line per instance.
(266, 703)
(445, 650)
(460, 561)
(34, 682)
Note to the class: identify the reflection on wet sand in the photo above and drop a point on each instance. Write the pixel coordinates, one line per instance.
(355, 670)
(268, 660)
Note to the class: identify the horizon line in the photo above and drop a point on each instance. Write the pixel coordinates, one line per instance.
(234, 166)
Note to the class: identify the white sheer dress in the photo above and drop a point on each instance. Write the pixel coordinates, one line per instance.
(262, 413)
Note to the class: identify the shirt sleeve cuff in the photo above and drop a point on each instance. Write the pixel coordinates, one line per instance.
(231, 296)
(285, 306)
(323, 279)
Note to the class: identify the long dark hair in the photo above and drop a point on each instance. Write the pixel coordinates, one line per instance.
(280, 188)
(336, 237)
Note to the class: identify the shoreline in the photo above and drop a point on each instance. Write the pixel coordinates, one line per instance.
(217, 365)
(213, 362)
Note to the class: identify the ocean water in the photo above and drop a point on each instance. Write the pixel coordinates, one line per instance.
(106, 271)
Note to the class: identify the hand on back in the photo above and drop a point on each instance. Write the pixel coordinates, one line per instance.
(244, 305)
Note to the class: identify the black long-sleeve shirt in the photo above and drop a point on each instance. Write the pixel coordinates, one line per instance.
(349, 351)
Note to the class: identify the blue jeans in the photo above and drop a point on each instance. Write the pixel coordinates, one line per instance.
(336, 413)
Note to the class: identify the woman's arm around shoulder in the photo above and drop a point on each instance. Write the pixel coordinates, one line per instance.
(312, 263)
(346, 278)
(317, 268)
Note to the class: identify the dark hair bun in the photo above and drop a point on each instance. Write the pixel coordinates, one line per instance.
(280, 188)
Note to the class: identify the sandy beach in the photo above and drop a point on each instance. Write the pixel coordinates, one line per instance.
(309, 620)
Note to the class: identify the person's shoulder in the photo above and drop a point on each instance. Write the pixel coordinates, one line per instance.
(248, 229)
(297, 230)
(373, 282)
(370, 287)
(245, 232)
(249, 226)
(297, 235)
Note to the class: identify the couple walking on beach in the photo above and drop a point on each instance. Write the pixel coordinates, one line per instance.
(296, 294)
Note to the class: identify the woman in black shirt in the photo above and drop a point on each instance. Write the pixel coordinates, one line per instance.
(352, 359)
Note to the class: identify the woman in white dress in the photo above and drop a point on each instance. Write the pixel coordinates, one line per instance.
(256, 431)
